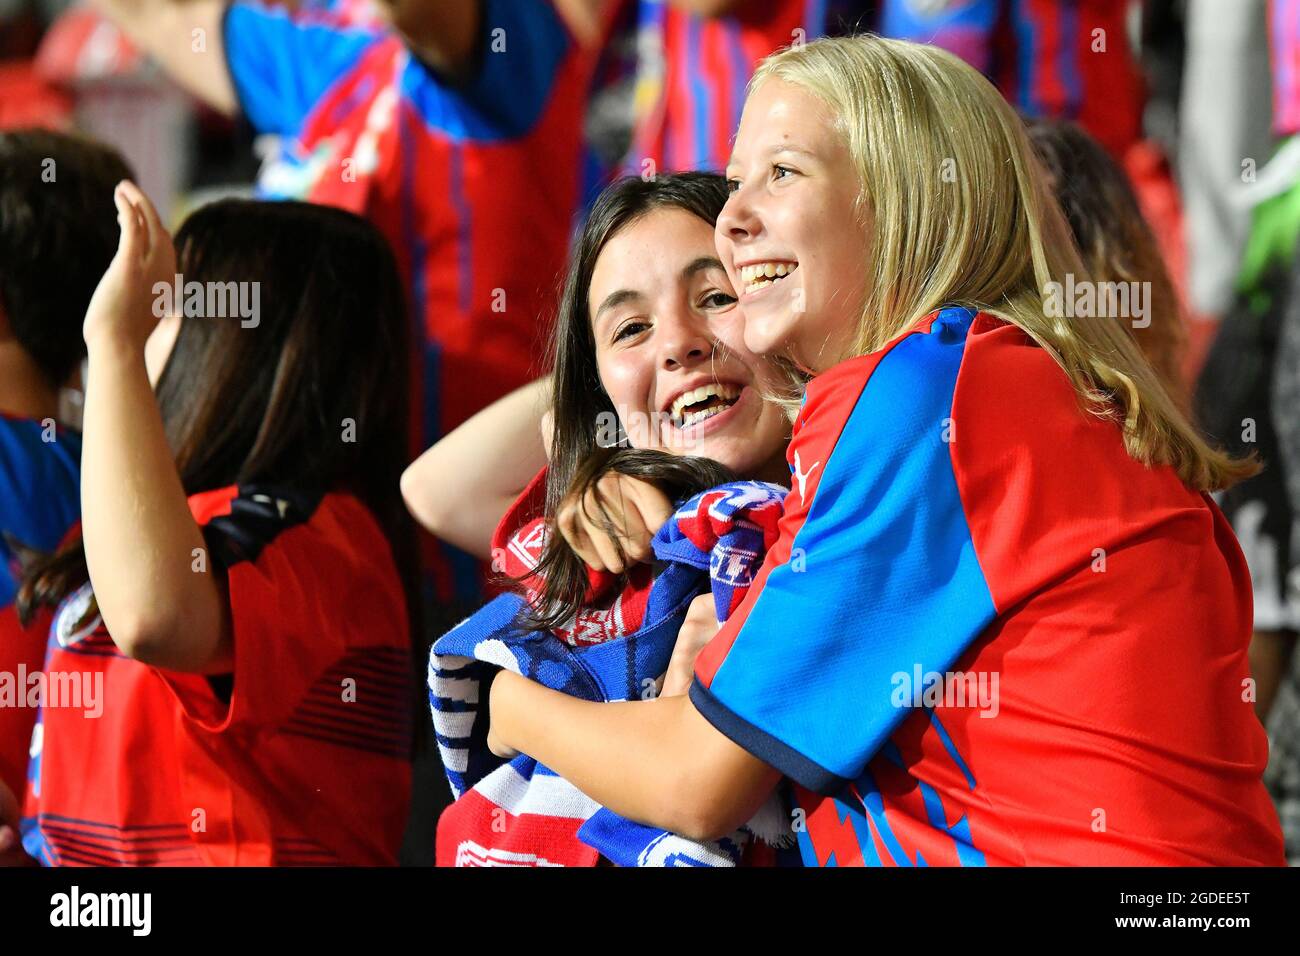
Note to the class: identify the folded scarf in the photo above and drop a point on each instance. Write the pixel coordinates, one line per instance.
(518, 812)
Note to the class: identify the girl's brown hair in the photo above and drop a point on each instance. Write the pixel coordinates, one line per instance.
(272, 402)
(582, 409)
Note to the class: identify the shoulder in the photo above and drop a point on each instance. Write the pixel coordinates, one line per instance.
(39, 439)
(907, 384)
(241, 522)
(40, 468)
(251, 16)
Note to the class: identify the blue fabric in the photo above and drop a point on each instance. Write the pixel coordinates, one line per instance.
(281, 66)
(523, 46)
(890, 579)
(40, 493)
(622, 668)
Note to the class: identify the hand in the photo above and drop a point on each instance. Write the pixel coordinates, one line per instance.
(697, 630)
(636, 510)
(11, 847)
(123, 308)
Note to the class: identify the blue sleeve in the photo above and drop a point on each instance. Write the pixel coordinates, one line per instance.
(40, 494)
(281, 67)
(880, 579)
(523, 45)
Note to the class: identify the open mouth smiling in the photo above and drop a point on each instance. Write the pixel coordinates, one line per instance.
(696, 405)
(756, 276)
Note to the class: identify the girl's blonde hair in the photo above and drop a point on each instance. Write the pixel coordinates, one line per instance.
(959, 213)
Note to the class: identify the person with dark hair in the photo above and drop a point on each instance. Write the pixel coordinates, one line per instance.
(456, 127)
(1115, 241)
(58, 232)
(646, 355)
(646, 317)
(239, 602)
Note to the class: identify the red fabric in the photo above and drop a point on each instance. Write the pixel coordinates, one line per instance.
(297, 769)
(1123, 734)
(27, 100)
(22, 650)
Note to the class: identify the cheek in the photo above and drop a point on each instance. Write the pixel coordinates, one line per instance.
(621, 378)
(729, 330)
(627, 381)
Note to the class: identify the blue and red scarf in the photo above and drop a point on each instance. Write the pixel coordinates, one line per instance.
(518, 812)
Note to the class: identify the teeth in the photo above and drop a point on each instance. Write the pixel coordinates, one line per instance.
(758, 271)
(696, 417)
(717, 389)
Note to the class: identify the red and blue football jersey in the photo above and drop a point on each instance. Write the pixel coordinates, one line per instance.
(40, 500)
(300, 757)
(475, 184)
(1284, 44)
(693, 71)
(986, 634)
(1064, 59)
(40, 492)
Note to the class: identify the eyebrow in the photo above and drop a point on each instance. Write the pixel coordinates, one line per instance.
(780, 148)
(613, 301)
(700, 264)
(619, 296)
(789, 148)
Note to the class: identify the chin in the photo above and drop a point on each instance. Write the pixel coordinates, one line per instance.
(766, 336)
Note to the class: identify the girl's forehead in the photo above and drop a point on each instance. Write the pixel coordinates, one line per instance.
(660, 236)
(782, 115)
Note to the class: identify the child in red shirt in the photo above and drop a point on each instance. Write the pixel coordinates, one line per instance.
(234, 614)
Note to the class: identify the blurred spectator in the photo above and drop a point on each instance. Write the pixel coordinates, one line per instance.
(1061, 59)
(695, 58)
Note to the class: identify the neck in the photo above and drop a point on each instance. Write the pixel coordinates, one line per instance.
(776, 470)
(24, 392)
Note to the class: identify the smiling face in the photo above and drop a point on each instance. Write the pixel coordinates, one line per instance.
(790, 237)
(670, 351)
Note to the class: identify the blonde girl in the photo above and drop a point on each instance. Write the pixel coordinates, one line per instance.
(1004, 623)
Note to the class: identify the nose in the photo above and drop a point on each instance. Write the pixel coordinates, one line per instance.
(684, 339)
(738, 220)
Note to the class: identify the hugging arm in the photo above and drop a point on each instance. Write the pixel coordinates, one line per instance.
(461, 487)
(658, 762)
(800, 679)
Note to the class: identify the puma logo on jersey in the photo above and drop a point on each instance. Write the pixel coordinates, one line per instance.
(802, 476)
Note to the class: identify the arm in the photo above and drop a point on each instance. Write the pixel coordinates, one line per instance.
(165, 29)
(708, 8)
(795, 680)
(657, 762)
(140, 537)
(442, 33)
(461, 487)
